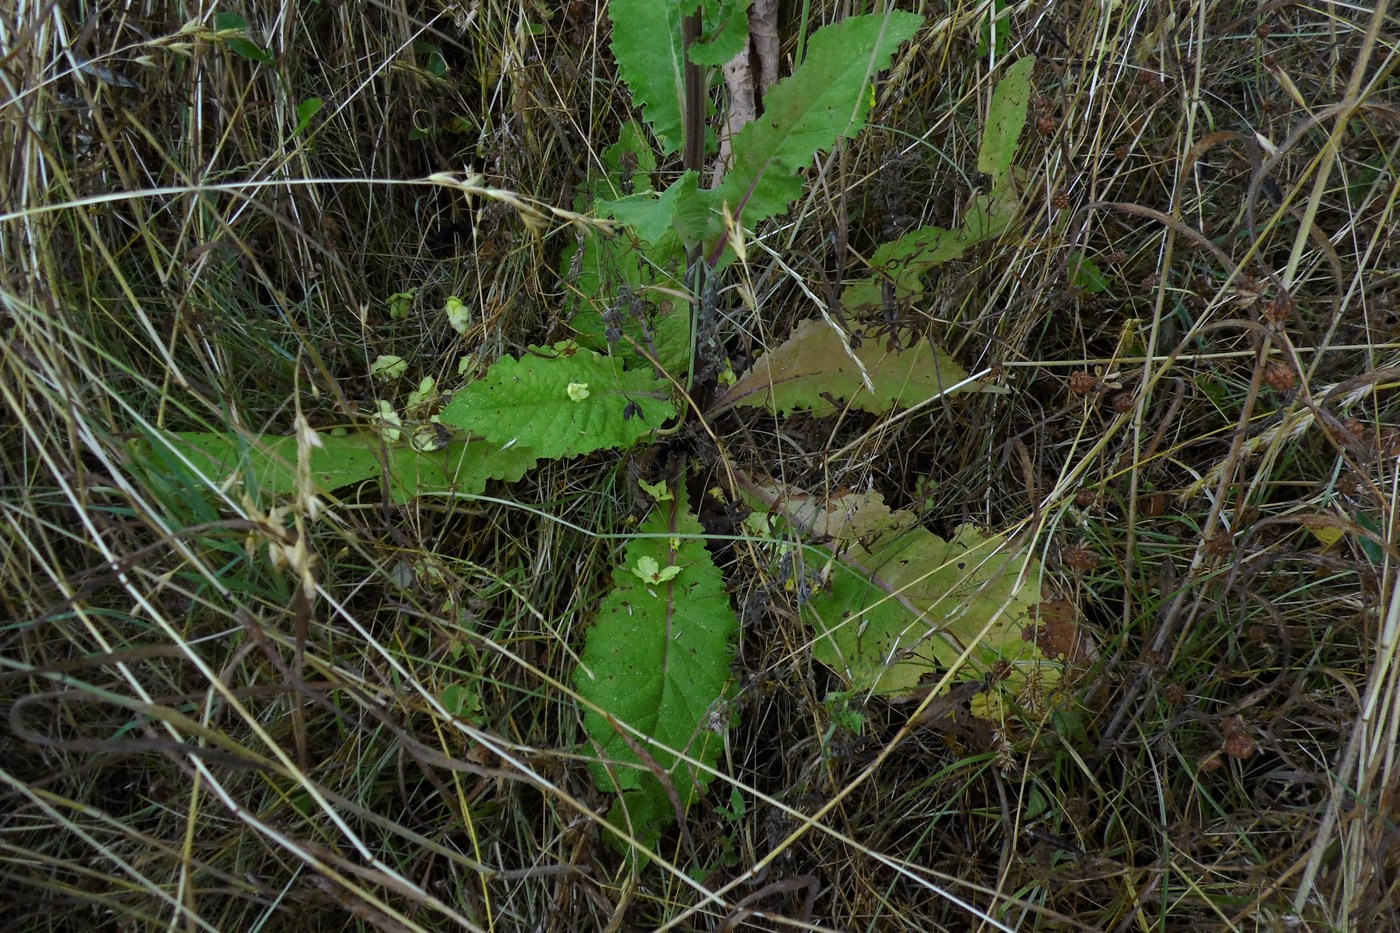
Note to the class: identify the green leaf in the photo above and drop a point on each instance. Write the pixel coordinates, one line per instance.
(654, 321)
(825, 99)
(528, 401)
(905, 261)
(726, 29)
(435, 63)
(306, 111)
(227, 20)
(652, 215)
(892, 603)
(813, 366)
(995, 33)
(990, 214)
(628, 163)
(608, 271)
(459, 467)
(388, 367)
(646, 42)
(659, 660)
(1005, 120)
(400, 304)
(267, 465)
(232, 22)
(1085, 274)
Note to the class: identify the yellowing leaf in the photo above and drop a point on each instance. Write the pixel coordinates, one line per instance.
(813, 366)
(1006, 118)
(894, 605)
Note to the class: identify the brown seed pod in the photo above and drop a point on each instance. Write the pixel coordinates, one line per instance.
(1082, 383)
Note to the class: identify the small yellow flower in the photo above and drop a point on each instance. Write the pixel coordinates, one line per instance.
(578, 391)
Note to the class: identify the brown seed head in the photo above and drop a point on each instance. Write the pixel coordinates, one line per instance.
(1082, 383)
(1220, 544)
(1280, 376)
(1239, 746)
(1277, 311)
(1080, 559)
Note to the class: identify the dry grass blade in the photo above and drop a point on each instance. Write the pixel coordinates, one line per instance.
(224, 710)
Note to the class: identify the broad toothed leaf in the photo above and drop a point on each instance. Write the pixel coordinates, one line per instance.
(268, 464)
(658, 659)
(726, 29)
(646, 42)
(825, 99)
(561, 401)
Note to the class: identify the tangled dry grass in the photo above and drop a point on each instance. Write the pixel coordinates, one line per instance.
(1200, 435)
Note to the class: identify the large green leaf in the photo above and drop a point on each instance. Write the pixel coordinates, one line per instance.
(658, 659)
(651, 215)
(268, 464)
(814, 370)
(726, 30)
(1006, 118)
(646, 42)
(561, 401)
(825, 99)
